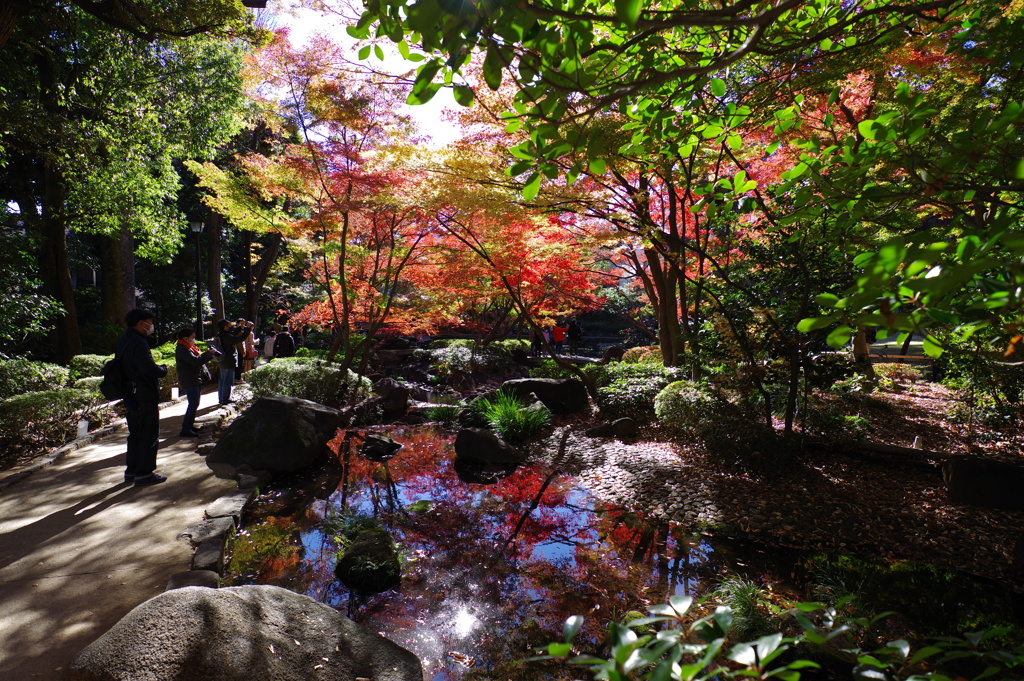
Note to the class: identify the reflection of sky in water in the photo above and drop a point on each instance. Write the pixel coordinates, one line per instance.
(472, 598)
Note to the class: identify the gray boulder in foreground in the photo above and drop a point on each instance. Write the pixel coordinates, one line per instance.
(277, 433)
(244, 633)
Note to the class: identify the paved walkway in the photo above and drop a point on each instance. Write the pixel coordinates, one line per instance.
(79, 547)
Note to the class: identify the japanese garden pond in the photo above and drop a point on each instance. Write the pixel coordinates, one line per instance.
(492, 571)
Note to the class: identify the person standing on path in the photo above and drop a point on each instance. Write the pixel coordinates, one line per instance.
(268, 346)
(142, 399)
(575, 334)
(191, 365)
(558, 334)
(284, 344)
(227, 340)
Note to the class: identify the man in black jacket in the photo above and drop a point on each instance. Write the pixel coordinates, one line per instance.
(142, 400)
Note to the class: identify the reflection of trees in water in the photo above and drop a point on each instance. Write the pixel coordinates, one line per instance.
(492, 571)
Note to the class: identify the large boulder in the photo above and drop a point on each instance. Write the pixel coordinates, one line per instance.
(560, 395)
(624, 427)
(395, 396)
(244, 633)
(984, 482)
(371, 562)
(278, 434)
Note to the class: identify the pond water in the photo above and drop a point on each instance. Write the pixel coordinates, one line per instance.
(491, 571)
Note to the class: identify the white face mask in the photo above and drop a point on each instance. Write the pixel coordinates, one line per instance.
(147, 328)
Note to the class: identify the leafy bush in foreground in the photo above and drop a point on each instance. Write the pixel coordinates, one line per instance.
(48, 418)
(683, 649)
(19, 375)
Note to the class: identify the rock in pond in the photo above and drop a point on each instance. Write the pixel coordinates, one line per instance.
(482, 446)
(370, 563)
(378, 447)
(244, 633)
(277, 433)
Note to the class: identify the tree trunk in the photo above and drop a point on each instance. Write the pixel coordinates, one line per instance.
(245, 274)
(861, 352)
(213, 283)
(54, 261)
(117, 254)
(259, 273)
(10, 12)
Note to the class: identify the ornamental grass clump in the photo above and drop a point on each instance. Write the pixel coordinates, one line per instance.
(511, 418)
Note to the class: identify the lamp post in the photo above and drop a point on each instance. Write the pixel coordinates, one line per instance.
(197, 228)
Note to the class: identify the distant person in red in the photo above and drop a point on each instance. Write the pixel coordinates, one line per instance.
(558, 335)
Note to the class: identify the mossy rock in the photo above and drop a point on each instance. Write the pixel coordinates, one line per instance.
(371, 562)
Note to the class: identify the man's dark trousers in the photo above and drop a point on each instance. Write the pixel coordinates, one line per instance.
(143, 436)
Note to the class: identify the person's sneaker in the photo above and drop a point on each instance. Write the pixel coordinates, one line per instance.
(151, 479)
(128, 477)
(188, 433)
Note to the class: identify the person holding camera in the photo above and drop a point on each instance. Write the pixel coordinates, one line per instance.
(190, 362)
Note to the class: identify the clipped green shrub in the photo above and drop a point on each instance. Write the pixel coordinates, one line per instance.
(310, 352)
(47, 418)
(83, 366)
(548, 368)
(507, 346)
(682, 405)
(170, 380)
(643, 353)
(454, 358)
(440, 343)
(630, 389)
(310, 379)
(165, 351)
(91, 383)
(19, 375)
(511, 418)
(605, 374)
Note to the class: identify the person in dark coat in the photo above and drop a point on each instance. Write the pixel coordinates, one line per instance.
(284, 344)
(227, 340)
(190, 362)
(143, 399)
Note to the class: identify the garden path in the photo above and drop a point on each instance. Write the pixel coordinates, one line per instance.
(79, 547)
